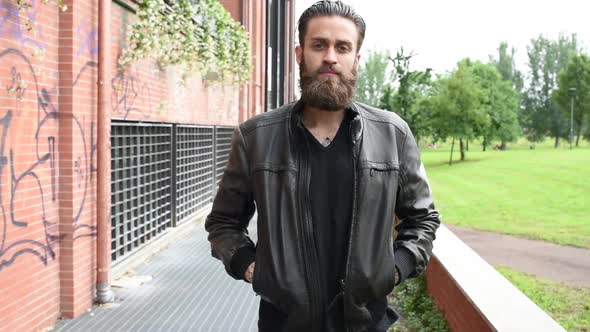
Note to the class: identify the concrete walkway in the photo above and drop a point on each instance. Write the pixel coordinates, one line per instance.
(546, 260)
(185, 289)
(189, 291)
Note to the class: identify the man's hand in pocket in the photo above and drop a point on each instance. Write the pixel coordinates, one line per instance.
(249, 274)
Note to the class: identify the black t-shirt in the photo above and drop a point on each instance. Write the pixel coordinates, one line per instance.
(330, 199)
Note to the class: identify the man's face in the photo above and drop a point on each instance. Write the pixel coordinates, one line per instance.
(328, 63)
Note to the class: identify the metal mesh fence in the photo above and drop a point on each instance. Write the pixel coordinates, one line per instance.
(161, 175)
(223, 137)
(141, 182)
(194, 169)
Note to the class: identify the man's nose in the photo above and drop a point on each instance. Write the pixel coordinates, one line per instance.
(330, 56)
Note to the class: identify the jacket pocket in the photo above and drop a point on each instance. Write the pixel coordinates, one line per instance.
(376, 168)
(275, 168)
(379, 182)
(265, 285)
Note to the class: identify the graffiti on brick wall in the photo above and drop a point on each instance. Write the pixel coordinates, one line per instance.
(88, 37)
(20, 25)
(28, 166)
(127, 89)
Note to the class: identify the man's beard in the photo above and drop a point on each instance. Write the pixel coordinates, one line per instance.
(325, 93)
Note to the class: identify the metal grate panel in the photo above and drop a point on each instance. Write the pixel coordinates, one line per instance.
(141, 178)
(223, 137)
(194, 169)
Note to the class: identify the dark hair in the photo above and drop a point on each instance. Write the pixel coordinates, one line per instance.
(331, 8)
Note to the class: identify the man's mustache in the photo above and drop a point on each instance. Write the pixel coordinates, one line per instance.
(324, 69)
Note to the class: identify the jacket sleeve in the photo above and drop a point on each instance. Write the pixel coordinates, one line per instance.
(418, 218)
(233, 207)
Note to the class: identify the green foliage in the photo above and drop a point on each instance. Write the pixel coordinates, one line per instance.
(202, 36)
(456, 105)
(408, 99)
(418, 310)
(576, 75)
(457, 110)
(569, 306)
(547, 58)
(499, 100)
(373, 78)
(400, 91)
(507, 68)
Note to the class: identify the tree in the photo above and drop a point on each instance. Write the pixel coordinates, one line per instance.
(499, 100)
(506, 66)
(405, 99)
(547, 58)
(576, 75)
(373, 76)
(456, 108)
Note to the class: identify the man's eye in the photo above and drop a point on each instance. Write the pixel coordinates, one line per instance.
(318, 46)
(343, 48)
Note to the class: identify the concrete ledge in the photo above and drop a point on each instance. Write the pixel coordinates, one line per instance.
(474, 296)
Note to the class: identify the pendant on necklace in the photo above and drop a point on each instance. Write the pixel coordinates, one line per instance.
(326, 142)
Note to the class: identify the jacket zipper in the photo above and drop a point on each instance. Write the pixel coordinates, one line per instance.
(352, 223)
(309, 247)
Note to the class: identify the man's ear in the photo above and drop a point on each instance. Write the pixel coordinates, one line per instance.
(358, 58)
(298, 54)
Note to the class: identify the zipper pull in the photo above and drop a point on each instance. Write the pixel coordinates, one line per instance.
(342, 285)
(372, 171)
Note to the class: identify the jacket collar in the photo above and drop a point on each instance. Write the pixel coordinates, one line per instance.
(356, 124)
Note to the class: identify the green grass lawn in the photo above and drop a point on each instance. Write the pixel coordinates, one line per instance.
(569, 306)
(539, 194)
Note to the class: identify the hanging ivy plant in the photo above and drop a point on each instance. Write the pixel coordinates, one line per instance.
(201, 36)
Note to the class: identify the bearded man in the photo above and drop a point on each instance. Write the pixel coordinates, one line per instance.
(328, 177)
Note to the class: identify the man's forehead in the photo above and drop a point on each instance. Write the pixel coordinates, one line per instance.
(332, 28)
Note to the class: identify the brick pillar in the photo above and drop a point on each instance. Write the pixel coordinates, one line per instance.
(77, 100)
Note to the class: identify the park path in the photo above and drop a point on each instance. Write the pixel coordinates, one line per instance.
(546, 260)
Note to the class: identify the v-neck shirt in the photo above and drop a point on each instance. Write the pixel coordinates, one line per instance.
(330, 199)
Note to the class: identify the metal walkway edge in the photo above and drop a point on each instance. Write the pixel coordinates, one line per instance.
(189, 291)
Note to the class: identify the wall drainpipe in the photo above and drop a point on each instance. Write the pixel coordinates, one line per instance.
(104, 293)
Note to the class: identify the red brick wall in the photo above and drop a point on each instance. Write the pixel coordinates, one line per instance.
(29, 222)
(48, 148)
(146, 92)
(460, 313)
(256, 22)
(234, 7)
(77, 162)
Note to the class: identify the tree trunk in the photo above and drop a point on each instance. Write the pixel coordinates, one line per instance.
(556, 141)
(452, 147)
(578, 137)
(485, 143)
(503, 146)
(462, 148)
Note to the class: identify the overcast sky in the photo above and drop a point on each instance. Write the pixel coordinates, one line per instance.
(441, 32)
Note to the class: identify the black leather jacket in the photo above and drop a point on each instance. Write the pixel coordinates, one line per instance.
(268, 171)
